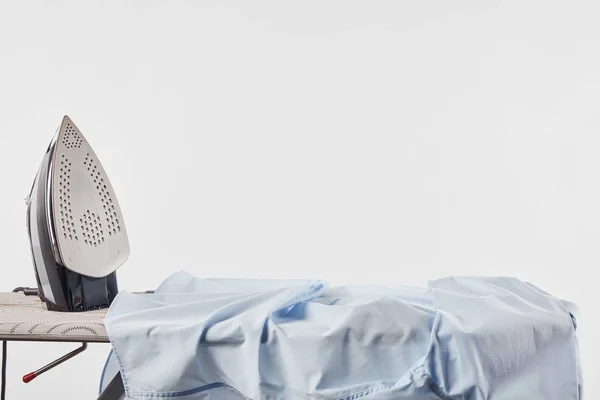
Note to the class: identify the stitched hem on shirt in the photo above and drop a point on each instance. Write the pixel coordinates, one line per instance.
(367, 392)
(104, 371)
(427, 380)
(189, 392)
(220, 385)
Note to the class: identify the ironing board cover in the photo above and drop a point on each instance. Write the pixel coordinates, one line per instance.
(27, 318)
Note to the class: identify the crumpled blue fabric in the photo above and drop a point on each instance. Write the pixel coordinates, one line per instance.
(459, 338)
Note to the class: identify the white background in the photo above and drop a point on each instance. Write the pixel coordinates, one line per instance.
(380, 142)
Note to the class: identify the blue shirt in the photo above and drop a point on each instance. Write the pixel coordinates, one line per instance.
(459, 338)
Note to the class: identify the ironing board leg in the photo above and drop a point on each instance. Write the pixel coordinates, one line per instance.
(115, 389)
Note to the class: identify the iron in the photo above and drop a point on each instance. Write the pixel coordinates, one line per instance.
(75, 225)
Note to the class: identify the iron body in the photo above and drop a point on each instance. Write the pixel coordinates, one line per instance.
(76, 228)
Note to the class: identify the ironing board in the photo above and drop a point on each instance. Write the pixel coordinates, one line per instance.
(26, 318)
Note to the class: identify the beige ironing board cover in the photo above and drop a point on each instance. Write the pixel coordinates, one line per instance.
(24, 318)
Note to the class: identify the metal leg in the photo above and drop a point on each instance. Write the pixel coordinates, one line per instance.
(115, 389)
(32, 375)
(3, 389)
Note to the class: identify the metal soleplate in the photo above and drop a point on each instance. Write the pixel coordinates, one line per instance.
(88, 224)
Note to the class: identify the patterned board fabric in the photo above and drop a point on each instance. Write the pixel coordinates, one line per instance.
(27, 318)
